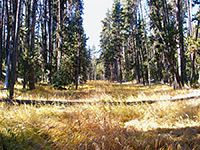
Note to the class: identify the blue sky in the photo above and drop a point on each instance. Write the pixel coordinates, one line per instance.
(94, 12)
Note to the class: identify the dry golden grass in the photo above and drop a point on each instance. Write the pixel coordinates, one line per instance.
(161, 125)
(102, 91)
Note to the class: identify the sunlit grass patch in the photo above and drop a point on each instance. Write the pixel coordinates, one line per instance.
(3, 94)
(101, 91)
(159, 125)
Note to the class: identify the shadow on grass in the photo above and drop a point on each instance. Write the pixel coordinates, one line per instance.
(161, 139)
(109, 138)
(183, 138)
(174, 139)
(22, 142)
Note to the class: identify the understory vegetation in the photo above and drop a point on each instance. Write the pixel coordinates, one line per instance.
(161, 125)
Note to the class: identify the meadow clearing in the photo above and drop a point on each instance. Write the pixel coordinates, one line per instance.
(161, 125)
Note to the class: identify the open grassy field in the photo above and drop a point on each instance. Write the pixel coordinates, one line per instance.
(161, 125)
(99, 91)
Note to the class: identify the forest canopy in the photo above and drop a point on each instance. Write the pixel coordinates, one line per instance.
(152, 40)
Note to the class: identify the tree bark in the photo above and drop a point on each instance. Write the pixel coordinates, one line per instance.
(79, 19)
(60, 28)
(16, 11)
(1, 37)
(32, 46)
(50, 42)
(192, 56)
(9, 43)
(144, 44)
(3, 56)
(180, 50)
(44, 41)
(27, 41)
(196, 37)
(8, 31)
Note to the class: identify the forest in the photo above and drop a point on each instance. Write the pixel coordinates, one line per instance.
(138, 91)
(151, 41)
(142, 41)
(42, 41)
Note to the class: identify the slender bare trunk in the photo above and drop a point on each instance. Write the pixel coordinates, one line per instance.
(8, 31)
(144, 43)
(60, 38)
(79, 45)
(44, 41)
(32, 47)
(50, 41)
(1, 37)
(180, 50)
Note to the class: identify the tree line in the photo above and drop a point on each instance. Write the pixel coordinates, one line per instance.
(152, 40)
(42, 40)
(144, 40)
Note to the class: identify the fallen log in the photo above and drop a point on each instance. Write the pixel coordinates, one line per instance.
(44, 102)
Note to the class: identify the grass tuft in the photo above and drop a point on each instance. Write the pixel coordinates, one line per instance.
(161, 125)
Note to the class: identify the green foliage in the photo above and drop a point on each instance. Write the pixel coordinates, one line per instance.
(193, 45)
(73, 49)
(63, 77)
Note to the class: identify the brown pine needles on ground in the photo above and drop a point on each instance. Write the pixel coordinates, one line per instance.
(162, 125)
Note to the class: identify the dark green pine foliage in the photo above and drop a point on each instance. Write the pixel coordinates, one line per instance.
(193, 45)
(107, 52)
(131, 56)
(122, 43)
(112, 43)
(117, 39)
(75, 58)
(165, 34)
(50, 43)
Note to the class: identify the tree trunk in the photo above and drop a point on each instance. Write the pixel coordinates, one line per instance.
(7, 70)
(196, 37)
(60, 38)
(27, 41)
(3, 56)
(144, 44)
(9, 43)
(137, 66)
(79, 19)
(120, 70)
(1, 37)
(192, 56)
(32, 47)
(199, 74)
(189, 17)
(8, 31)
(44, 41)
(50, 42)
(180, 50)
(16, 11)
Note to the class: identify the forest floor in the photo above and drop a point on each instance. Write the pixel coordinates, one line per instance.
(161, 125)
(102, 91)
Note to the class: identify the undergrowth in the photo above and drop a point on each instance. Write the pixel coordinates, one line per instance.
(161, 125)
